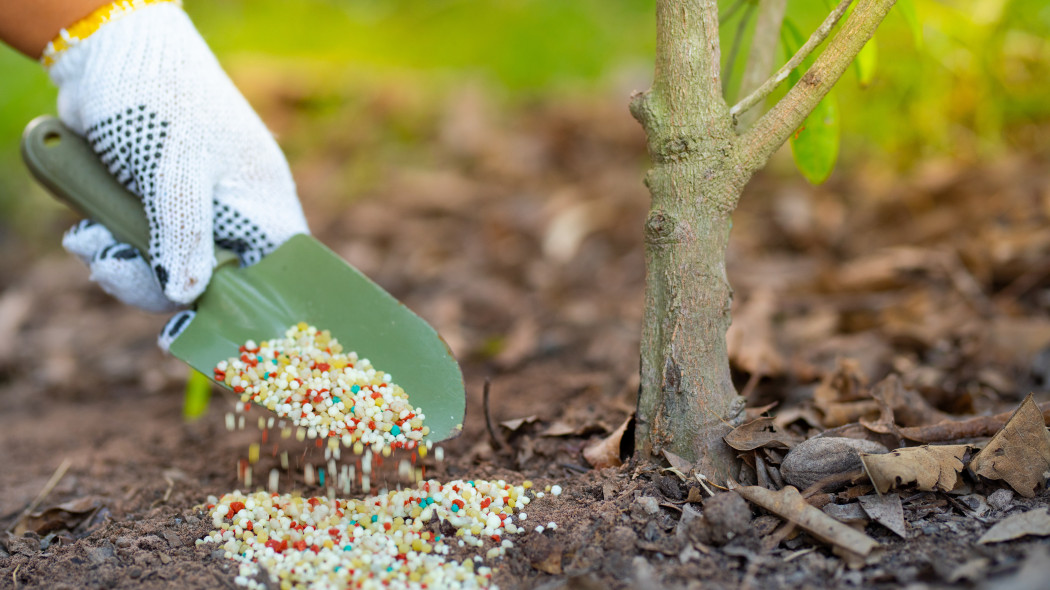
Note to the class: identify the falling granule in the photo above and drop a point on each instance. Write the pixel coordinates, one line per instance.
(307, 378)
(379, 542)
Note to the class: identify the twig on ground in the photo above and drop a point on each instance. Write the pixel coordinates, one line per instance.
(497, 443)
(799, 553)
(574, 467)
(50, 485)
(167, 493)
(700, 477)
(833, 480)
(774, 539)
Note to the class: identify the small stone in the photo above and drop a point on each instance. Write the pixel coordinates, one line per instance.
(818, 458)
(134, 572)
(172, 539)
(1001, 499)
(47, 540)
(124, 542)
(97, 555)
(851, 513)
(728, 516)
(621, 539)
(645, 506)
(26, 545)
(975, 502)
(669, 487)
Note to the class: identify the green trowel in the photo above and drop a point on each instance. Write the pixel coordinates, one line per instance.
(302, 281)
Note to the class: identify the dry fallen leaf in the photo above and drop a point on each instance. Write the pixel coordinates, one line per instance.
(1034, 522)
(976, 427)
(930, 468)
(516, 423)
(606, 452)
(559, 428)
(750, 339)
(678, 463)
(886, 510)
(1019, 454)
(851, 514)
(883, 269)
(909, 407)
(760, 433)
(843, 397)
(789, 505)
(67, 516)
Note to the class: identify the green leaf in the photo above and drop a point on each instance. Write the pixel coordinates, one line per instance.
(815, 145)
(907, 10)
(792, 38)
(866, 61)
(198, 392)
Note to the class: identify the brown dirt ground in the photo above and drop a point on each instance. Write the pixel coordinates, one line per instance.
(518, 237)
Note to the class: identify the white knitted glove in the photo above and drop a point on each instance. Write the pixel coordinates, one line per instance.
(153, 102)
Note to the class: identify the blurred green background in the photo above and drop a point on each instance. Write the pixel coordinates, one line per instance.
(971, 84)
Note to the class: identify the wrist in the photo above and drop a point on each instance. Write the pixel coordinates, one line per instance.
(79, 31)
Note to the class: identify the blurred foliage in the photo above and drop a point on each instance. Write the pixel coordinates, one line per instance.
(971, 84)
(974, 86)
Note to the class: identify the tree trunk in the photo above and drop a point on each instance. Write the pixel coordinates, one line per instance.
(687, 401)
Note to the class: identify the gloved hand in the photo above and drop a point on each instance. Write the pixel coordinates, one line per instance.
(153, 102)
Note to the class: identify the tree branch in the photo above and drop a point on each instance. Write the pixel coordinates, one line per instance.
(815, 40)
(759, 143)
(763, 50)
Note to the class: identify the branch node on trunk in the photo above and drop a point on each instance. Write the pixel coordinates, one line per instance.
(641, 108)
(661, 228)
(676, 149)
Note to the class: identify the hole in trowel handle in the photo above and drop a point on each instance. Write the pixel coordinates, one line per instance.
(52, 138)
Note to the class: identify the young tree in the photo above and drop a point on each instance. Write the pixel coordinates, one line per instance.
(701, 161)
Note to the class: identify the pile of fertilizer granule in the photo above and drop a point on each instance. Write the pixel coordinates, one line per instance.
(383, 541)
(307, 379)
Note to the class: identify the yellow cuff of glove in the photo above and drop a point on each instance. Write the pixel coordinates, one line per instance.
(85, 27)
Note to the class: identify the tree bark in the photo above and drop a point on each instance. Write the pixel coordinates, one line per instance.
(686, 400)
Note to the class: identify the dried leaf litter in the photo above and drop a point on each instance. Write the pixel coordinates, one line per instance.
(382, 541)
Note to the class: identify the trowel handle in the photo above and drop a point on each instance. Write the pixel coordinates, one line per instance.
(67, 166)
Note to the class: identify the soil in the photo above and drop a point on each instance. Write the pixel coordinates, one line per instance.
(518, 237)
